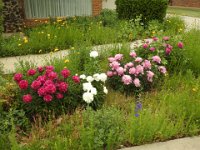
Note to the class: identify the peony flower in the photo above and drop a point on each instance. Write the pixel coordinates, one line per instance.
(126, 79)
(137, 82)
(162, 69)
(42, 79)
(94, 54)
(103, 77)
(139, 69)
(59, 96)
(62, 87)
(111, 59)
(115, 65)
(155, 39)
(156, 59)
(27, 98)
(88, 97)
(118, 57)
(87, 86)
(138, 59)
(133, 54)
(18, 77)
(90, 79)
(52, 75)
(23, 84)
(50, 68)
(166, 38)
(120, 71)
(83, 76)
(31, 72)
(168, 50)
(105, 90)
(152, 49)
(132, 70)
(76, 79)
(96, 77)
(130, 64)
(146, 64)
(93, 91)
(145, 45)
(40, 69)
(48, 98)
(41, 91)
(50, 88)
(180, 45)
(150, 75)
(109, 73)
(65, 73)
(47, 82)
(36, 85)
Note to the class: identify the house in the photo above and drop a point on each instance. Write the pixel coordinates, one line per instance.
(185, 3)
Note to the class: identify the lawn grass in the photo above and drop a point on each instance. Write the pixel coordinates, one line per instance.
(184, 11)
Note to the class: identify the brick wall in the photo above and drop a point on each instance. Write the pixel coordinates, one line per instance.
(186, 3)
(96, 7)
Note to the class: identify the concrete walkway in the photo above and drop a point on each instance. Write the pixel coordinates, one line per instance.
(192, 143)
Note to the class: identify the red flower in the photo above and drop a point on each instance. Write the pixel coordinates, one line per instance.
(76, 79)
(180, 45)
(40, 69)
(52, 75)
(59, 96)
(65, 73)
(36, 85)
(31, 72)
(23, 84)
(47, 98)
(42, 79)
(50, 88)
(63, 87)
(18, 77)
(41, 91)
(47, 82)
(27, 98)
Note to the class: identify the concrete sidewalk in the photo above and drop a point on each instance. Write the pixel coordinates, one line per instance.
(190, 143)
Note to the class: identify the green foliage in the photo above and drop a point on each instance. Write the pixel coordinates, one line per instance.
(108, 17)
(149, 9)
(1, 23)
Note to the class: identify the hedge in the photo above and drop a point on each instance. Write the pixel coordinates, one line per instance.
(1, 20)
(149, 9)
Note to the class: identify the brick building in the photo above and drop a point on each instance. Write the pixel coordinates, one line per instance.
(185, 3)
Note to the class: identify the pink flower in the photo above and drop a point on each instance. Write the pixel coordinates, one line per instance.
(111, 59)
(168, 50)
(52, 75)
(109, 73)
(166, 38)
(139, 69)
(42, 79)
(59, 96)
(118, 57)
(150, 75)
(51, 68)
(132, 70)
(27, 98)
(18, 77)
(65, 73)
(31, 72)
(115, 65)
(47, 82)
(152, 49)
(40, 69)
(47, 98)
(180, 45)
(155, 39)
(23, 84)
(63, 87)
(145, 45)
(76, 79)
(136, 82)
(147, 64)
(138, 59)
(162, 69)
(120, 71)
(130, 64)
(133, 54)
(42, 91)
(36, 85)
(156, 59)
(126, 79)
(50, 88)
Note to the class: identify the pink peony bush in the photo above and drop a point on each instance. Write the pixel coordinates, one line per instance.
(136, 75)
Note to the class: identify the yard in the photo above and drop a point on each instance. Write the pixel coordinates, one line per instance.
(105, 82)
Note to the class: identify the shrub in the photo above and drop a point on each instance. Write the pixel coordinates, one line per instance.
(1, 22)
(108, 17)
(149, 9)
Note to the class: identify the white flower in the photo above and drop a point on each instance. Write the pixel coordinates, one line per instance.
(90, 79)
(94, 91)
(87, 86)
(105, 90)
(88, 97)
(96, 77)
(94, 54)
(103, 77)
(82, 76)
